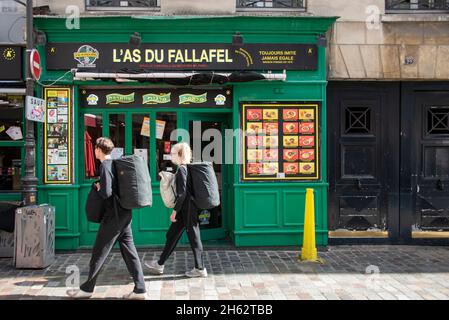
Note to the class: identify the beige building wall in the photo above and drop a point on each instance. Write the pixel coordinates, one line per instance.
(368, 44)
(167, 7)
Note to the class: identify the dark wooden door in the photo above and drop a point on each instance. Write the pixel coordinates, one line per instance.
(363, 157)
(425, 158)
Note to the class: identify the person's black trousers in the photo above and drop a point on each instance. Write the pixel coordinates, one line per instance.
(174, 233)
(110, 231)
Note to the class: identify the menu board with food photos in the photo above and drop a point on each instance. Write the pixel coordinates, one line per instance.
(57, 143)
(280, 141)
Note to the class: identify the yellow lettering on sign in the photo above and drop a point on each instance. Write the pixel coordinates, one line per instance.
(171, 55)
(179, 57)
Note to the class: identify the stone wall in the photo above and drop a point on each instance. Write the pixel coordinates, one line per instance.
(396, 50)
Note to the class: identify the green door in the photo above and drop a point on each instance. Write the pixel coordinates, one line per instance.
(207, 139)
(126, 129)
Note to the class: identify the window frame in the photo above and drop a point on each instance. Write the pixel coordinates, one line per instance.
(272, 9)
(119, 8)
(390, 10)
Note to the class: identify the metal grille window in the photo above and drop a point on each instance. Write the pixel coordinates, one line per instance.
(358, 120)
(270, 4)
(438, 120)
(120, 4)
(417, 5)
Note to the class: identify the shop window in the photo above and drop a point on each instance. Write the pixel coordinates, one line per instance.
(117, 134)
(358, 120)
(165, 124)
(438, 120)
(93, 129)
(11, 118)
(10, 164)
(141, 135)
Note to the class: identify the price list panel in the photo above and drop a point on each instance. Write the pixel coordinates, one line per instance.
(280, 141)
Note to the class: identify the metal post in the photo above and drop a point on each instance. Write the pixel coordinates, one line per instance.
(29, 181)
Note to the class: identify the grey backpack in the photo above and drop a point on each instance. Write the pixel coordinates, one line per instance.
(168, 188)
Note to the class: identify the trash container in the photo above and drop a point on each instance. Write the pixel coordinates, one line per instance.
(34, 245)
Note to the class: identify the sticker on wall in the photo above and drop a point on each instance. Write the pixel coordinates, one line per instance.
(220, 100)
(92, 100)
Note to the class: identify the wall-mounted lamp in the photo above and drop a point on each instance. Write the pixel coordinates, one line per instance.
(237, 39)
(321, 41)
(135, 39)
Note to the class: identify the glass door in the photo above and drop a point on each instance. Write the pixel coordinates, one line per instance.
(206, 138)
(130, 133)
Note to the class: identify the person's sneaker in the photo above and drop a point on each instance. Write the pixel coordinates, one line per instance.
(78, 294)
(135, 296)
(155, 268)
(197, 273)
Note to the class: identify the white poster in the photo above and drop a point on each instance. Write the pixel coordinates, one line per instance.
(160, 127)
(14, 133)
(56, 156)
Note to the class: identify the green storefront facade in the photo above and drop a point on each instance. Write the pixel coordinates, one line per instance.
(256, 210)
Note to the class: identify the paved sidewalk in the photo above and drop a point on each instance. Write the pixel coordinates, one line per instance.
(349, 272)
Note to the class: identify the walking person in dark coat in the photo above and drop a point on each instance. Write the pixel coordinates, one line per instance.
(114, 227)
(183, 217)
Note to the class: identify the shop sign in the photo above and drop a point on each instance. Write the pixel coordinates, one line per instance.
(280, 141)
(11, 63)
(35, 109)
(173, 97)
(86, 56)
(192, 98)
(116, 98)
(113, 57)
(152, 98)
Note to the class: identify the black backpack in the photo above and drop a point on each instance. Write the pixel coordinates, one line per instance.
(133, 182)
(94, 206)
(205, 191)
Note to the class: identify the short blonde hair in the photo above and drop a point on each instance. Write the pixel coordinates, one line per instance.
(181, 153)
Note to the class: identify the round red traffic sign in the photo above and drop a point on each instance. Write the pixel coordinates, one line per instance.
(35, 63)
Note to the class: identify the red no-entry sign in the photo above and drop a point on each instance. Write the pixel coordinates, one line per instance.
(35, 63)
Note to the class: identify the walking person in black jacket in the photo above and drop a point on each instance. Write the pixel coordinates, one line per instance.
(114, 227)
(183, 217)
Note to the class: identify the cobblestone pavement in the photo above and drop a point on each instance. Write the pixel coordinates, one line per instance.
(348, 272)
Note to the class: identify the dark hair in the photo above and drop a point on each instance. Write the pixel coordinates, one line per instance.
(105, 145)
